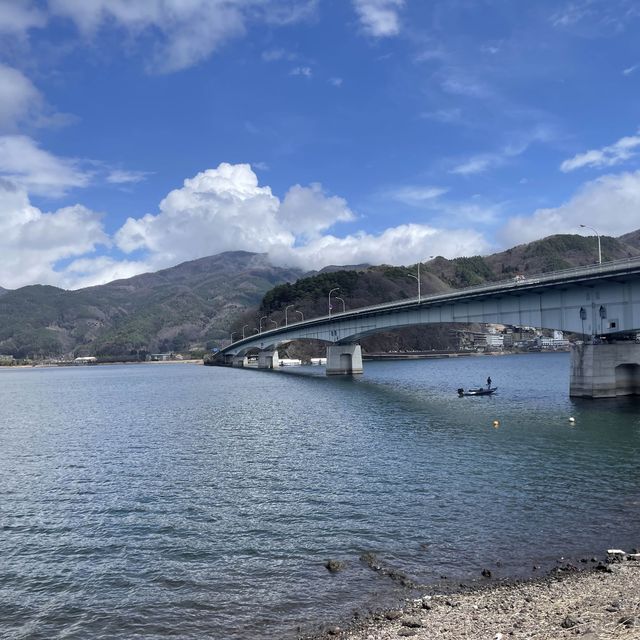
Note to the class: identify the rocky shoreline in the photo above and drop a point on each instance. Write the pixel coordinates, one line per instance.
(599, 603)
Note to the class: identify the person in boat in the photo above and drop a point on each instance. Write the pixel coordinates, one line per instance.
(489, 382)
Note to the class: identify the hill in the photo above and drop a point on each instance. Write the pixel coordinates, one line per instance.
(196, 304)
(377, 284)
(170, 310)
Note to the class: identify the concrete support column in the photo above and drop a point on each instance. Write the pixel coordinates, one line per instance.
(240, 361)
(344, 359)
(268, 359)
(605, 370)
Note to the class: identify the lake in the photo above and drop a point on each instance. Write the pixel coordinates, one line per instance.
(186, 501)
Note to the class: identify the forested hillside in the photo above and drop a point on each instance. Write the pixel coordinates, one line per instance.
(190, 305)
(197, 304)
(372, 285)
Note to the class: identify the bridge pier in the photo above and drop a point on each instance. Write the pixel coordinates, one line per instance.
(268, 359)
(239, 361)
(344, 359)
(605, 370)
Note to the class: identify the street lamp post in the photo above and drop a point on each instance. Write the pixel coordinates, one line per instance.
(330, 292)
(260, 323)
(584, 226)
(233, 333)
(243, 328)
(286, 321)
(416, 278)
(341, 300)
(301, 315)
(274, 322)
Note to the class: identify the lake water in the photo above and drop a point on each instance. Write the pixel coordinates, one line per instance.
(190, 502)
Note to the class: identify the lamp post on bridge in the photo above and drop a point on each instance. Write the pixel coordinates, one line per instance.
(584, 226)
(301, 315)
(419, 279)
(330, 292)
(286, 321)
(243, 328)
(341, 300)
(260, 323)
(233, 333)
(274, 322)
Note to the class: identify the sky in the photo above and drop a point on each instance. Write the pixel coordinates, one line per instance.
(138, 134)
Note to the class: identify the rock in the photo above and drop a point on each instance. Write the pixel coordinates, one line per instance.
(411, 621)
(486, 573)
(629, 621)
(615, 555)
(371, 560)
(604, 568)
(334, 631)
(407, 632)
(569, 623)
(393, 615)
(614, 606)
(426, 604)
(333, 566)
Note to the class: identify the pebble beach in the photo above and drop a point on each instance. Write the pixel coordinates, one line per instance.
(601, 603)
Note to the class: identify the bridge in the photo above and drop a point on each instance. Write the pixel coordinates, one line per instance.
(601, 302)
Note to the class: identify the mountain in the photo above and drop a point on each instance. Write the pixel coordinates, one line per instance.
(374, 285)
(170, 310)
(196, 304)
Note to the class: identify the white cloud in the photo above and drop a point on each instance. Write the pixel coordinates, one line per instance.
(517, 146)
(17, 17)
(614, 154)
(301, 71)
(120, 176)
(610, 204)
(19, 99)
(217, 210)
(186, 32)
(478, 164)
(306, 211)
(32, 242)
(88, 272)
(629, 70)
(379, 18)
(225, 209)
(403, 244)
(415, 195)
(36, 170)
(336, 82)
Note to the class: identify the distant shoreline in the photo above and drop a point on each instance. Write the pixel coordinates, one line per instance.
(95, 364)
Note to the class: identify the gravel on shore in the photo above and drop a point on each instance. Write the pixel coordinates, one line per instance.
(589, 605)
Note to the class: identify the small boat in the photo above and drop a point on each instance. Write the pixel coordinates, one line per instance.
(480, 391)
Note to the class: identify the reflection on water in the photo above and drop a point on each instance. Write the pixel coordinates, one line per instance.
(191, 501)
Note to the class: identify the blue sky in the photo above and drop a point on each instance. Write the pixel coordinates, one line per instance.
(135, 135)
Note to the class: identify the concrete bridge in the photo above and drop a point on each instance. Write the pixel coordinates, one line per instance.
(602, 302)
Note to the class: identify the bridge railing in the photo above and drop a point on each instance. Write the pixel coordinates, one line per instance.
(499, 285)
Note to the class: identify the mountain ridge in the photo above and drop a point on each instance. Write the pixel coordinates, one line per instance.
(196, 304)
